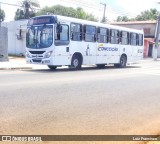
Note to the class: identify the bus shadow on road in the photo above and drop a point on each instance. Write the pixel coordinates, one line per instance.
(88, 68)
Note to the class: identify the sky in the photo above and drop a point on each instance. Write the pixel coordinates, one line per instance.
(114, 8)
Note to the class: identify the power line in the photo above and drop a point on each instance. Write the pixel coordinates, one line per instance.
(95, 5)
(10, 4)
(16, 5)
(81, 4)
(113, 10)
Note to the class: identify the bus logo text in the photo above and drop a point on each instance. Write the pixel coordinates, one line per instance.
(107, 49)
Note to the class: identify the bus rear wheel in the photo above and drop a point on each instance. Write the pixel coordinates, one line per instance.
(52, 67)
(123, 62)
(76, 62)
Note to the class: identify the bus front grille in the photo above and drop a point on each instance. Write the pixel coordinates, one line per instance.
(36, 60)
(36, 52)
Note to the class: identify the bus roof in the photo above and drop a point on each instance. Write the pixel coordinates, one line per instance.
(97, 24)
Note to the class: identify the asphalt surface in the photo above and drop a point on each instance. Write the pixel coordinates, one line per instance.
(92, 101)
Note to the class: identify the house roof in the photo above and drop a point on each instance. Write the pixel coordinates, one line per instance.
(134, 22)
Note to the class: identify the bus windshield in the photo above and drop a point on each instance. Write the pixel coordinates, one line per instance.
(39, 36)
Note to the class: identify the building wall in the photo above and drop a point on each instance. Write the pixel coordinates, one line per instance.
(16, 46)
(146, 46)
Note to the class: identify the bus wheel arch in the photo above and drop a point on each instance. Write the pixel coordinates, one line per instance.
(76, 61)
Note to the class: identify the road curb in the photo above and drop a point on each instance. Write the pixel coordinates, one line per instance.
(17, 68)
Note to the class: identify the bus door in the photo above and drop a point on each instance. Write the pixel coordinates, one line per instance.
(62, 44)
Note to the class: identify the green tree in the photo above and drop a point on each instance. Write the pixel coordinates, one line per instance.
(67, 11)
(19, 14)
(119, 19)
(28, 9)
(151, 14)
(147, 15)
(122, 18)
(125, 18)
(2, 15)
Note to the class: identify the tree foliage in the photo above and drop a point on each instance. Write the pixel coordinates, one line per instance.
(67, 11)
(20, 14)
(28, 9)
(151, 14)
(147, 15)
(2, 15)
(122, 18)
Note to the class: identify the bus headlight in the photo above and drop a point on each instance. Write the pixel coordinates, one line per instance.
(27, 55)
(48, 54)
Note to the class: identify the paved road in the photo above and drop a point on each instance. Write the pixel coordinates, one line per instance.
(90, 101)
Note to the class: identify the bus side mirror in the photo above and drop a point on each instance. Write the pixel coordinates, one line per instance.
(95, 37)
(59, 28)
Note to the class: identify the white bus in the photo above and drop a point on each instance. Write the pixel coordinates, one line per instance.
(63, 41)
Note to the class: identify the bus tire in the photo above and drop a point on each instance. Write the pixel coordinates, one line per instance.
(100, 66)
(116, 65)
(52, 67)
(76, 62)
(123, 62)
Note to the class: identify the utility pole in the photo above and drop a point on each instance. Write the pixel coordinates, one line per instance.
(104, 13)
(157, 38)
(0, 18)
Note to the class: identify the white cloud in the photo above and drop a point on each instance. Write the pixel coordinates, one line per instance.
(136, 6)
(9, 9)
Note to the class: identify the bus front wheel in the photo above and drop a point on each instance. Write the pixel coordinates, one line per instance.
(76, 62)
(52, 67)
(100, 66)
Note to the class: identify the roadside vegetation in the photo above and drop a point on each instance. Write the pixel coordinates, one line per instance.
(31, 8)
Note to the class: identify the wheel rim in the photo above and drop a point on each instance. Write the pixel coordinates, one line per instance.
(75, 63)
(123, 61)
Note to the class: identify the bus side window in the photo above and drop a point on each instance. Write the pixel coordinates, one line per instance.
(62, 37)
(114, 36)
(102, 35)
(140, 40)
(124, 38)
(89, 33)
(76, 32)
(133, 39)
(137, 39)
